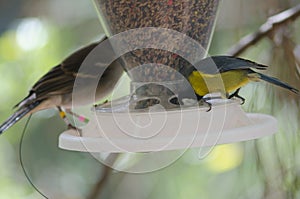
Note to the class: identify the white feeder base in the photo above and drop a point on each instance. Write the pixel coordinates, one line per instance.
(157, 130)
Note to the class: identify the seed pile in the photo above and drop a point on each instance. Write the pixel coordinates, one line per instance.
(194, 18)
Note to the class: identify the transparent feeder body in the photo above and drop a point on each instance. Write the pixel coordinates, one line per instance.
(194, 19)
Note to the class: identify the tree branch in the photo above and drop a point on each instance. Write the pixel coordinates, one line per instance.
(265, 29)
(107, 170)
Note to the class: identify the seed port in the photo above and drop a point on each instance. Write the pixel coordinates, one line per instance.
(146, 103)
(174, 100)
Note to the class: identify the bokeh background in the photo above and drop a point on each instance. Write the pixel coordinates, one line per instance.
(35, 35)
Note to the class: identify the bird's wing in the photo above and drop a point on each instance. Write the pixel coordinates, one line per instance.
(60, 79)
(55, 82)
(216, 64)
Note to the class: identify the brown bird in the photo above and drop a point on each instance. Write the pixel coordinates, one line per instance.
(55, 88)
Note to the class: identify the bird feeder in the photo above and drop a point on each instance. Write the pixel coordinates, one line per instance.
(156, 41)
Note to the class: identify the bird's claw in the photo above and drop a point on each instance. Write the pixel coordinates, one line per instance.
(236, 94)
(204, 101)
(209, 106)
(239, 97)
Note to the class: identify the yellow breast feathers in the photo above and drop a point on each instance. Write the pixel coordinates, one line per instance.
(225, 82)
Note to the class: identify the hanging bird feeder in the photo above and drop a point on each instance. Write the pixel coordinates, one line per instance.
(154, 40)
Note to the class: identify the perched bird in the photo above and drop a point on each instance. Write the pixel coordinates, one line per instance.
(55, 88)
(233, 72)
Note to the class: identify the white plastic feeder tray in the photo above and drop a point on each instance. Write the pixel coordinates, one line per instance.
(157, 130)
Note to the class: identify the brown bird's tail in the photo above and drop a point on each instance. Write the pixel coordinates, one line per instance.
(19, 114)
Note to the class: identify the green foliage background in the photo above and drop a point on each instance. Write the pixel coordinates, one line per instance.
(265, 168)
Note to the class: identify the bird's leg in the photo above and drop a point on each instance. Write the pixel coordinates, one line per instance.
(236, 94)
(204, 100)
(63, 116)
(81, 118)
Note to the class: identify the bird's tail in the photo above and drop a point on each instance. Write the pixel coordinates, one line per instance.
(277, 82)
(19, 114)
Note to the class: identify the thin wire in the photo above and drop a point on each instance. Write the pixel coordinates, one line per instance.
(21, 159)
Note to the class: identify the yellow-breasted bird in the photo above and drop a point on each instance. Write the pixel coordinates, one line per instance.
(55, 88)
(233, 72)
